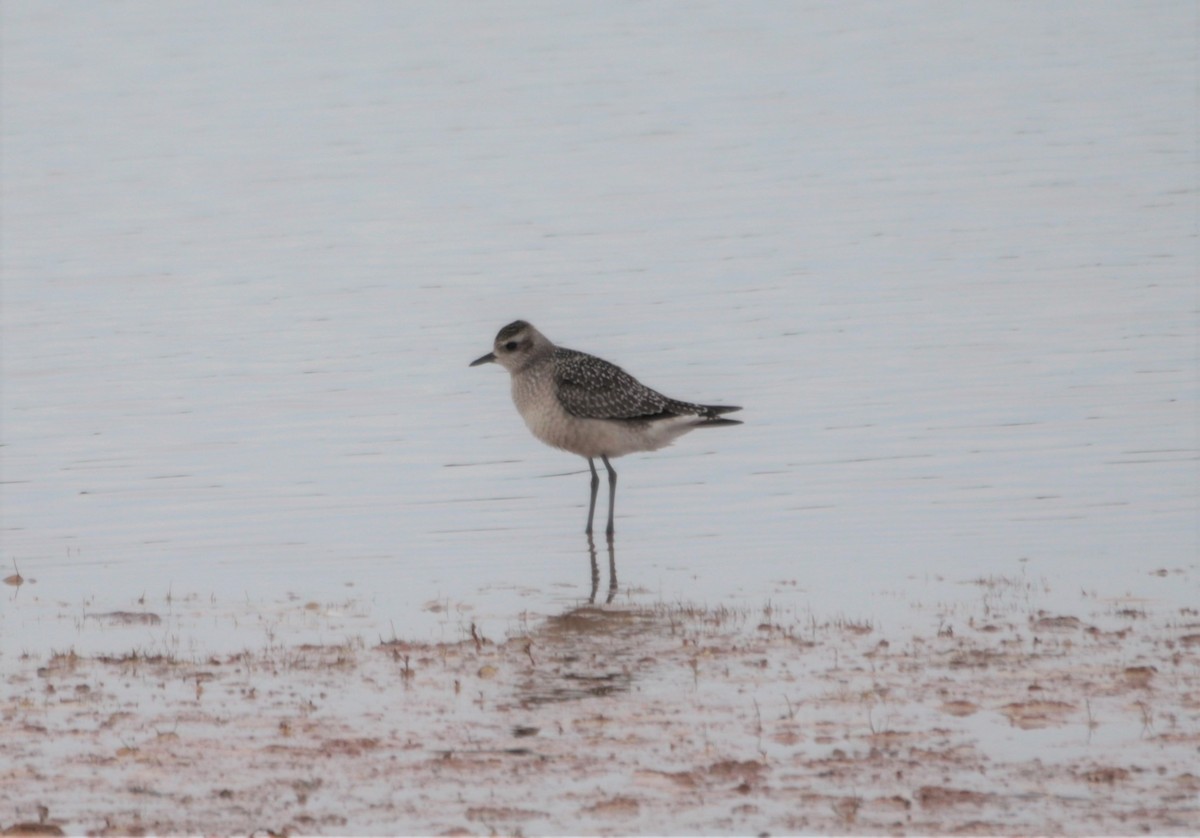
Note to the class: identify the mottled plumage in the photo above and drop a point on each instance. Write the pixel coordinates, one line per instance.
(591, 387)
(586, 405)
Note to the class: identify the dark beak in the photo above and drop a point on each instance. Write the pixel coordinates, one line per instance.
(486, 359)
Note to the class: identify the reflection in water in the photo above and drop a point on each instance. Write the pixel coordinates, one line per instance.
(587, 652)
(612, 570)
(590, 650)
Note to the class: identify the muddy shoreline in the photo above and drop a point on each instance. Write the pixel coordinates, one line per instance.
(616, 719)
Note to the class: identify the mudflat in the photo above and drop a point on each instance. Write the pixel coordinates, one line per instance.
(626, 719)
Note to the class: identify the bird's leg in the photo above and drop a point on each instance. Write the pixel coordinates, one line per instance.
(612, 493)
(595, 490)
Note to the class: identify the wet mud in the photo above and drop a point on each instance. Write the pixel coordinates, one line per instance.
(621, 718)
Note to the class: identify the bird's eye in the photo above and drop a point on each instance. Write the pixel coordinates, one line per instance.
(510, 346)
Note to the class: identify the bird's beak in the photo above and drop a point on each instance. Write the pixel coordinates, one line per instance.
(486, 359)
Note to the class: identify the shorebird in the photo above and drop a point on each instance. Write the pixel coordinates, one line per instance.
(590, 407)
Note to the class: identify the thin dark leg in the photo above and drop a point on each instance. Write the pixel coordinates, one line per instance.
(612, 492)
(595, 490)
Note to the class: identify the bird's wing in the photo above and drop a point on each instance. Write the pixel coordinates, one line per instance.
(592, 388)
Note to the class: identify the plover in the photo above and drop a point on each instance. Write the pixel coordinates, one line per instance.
(585, 405)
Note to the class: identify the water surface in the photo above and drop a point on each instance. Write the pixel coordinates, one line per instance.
(944, 256)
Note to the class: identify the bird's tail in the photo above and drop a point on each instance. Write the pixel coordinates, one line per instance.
(712, 415)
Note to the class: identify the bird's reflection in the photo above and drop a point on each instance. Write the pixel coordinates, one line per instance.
(591, 650)
(612, 570)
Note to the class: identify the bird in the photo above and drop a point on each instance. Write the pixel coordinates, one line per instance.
(591, 407)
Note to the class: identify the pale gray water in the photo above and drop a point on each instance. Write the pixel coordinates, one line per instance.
(944, 254)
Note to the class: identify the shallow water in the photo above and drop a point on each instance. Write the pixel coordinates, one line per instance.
(944, 257)
(619, 719)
